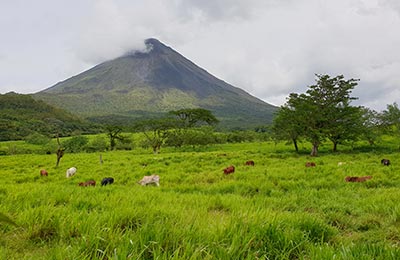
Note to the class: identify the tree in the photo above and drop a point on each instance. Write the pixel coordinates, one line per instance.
(390, 119)
(114, 133)
(287, 125)
(324, 111)
(60, 151)
(156, 131)
(191, 117)
(347, 124)
(391, 116)
(186, 119)
(372, 122)
(76, 144)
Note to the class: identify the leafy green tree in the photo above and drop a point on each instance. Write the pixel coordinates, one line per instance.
(287, 125)
(324, 111)
(156, 131)
(372, 122)
(37, 138)
(192, 117)
(391, 116)
(186, 119)
(76, 143)
(347, 125)
(114, 133)
(390, 119)
(98, 143)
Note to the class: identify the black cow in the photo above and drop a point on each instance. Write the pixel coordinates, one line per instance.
(108, 180)
(385, 162)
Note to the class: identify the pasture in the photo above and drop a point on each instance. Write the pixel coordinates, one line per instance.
(276, 209)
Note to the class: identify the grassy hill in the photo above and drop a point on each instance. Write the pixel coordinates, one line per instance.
(21, 116)
(141, 84)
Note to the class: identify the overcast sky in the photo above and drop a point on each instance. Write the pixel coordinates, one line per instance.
(269, 48)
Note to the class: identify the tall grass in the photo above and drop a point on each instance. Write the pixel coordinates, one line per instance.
(278, 209)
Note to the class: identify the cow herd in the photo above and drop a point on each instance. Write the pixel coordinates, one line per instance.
(106, 181)
(385, 162)
(155, 179)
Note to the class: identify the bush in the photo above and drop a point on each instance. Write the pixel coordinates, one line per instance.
(241, 136)
(38, 139)
(198, 136)
(76, 143)
(98, 144)
(124, 144)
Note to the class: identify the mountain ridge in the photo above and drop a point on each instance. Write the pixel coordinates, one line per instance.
(158, 79)
(21, 116)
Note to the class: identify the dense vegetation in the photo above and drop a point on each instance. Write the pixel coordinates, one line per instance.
(325, 112)
(22, 116)
(278, 209)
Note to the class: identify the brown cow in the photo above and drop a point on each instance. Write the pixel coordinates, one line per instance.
(43, 172)
(251, 163)
(229, 170)
(357, 179)
(310, 164)
(88, 183)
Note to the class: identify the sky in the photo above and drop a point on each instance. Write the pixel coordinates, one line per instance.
(269, 48)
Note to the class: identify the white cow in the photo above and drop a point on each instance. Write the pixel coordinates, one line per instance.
(150, 179)
(70, 172)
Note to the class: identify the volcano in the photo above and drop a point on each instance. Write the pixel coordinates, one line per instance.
(142, 84)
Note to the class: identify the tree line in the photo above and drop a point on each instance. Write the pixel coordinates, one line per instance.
(323, 113)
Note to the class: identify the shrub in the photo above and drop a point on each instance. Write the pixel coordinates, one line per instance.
(97, 144)
(38, 139)
(76, 143)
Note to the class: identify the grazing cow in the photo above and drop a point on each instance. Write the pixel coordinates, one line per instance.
(108, 180)
(88, 183)
(310, 164)
(229, 170)
(251, 163)
(385, 162)
(70, 172)
(150, 179)
(357, 179)
(43, 172)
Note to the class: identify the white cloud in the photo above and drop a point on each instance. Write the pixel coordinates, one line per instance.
(267, 47)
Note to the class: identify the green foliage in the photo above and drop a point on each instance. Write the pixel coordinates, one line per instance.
(156, 131)
(22, 116)
(241, 136)
(323, 112)
(191, 117)
(114, 133)
(125, 144)
(390, 120)
(75, 144)
(98, 143)
(37, 138)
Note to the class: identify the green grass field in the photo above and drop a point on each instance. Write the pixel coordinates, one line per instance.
(278, 209)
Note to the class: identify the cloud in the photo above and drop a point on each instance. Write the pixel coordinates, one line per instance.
(269, 48)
